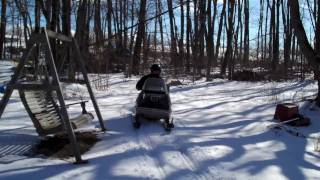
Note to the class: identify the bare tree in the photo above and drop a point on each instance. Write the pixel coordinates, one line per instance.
(173, 46)
(3, 26)
(181, 46)
(246, 32)
(210, 41)
(201, 37)
(195, 38)
(160, 25)
(260, 42)
(82, 29)
(222, 16)
(97, 22)
(306, 48)
(198, 41)
(109, 16)
(230, 30)
(141, 31)
(23, 11)
(276, 32)
(132, 29)
(288, 35)
(188, 36)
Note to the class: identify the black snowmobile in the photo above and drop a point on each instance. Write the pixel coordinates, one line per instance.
(153, 103)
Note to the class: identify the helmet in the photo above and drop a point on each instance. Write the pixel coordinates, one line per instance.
(155, 67)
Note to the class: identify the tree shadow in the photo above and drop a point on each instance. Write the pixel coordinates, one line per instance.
(119, 151)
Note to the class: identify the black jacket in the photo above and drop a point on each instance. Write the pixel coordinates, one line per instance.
(144, 78)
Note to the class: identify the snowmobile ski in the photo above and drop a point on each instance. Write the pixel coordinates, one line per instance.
(168, 125)
(136, 122)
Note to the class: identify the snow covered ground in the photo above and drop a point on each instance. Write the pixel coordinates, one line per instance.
(220, 133)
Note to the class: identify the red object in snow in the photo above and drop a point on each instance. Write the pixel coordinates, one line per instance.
(286, 111)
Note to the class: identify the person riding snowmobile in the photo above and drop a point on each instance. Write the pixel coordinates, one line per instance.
(153, 102)
(155, 71)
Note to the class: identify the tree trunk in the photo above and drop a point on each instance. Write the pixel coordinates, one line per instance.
(3, 27)
(66, 29)
(202, 18)
(125, 20)
(54, 26)
(246, 33)
(120, 33)
(155, 44)
(266, 31)
(317, 46)
(131, 32)
(55, 16)
(97, 23)
(66, 17)
(82, 29)
(146, 50)
(21, 5)
(229, 51)
(317, 29)
(210, 41)
(276, 32)
(109, 19)
(222, 15)
(12, 12)
(173, 47)
(303, 42)
(237, 52)
(188, 34)
(161, 27)
(140, 34)
(272, 34)
(181, 47)
(288, 36)
(195, 41)
(260, 35)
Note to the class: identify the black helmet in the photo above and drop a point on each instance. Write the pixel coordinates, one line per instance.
(155, 67)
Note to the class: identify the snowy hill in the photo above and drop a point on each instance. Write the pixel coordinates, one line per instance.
(220, 133)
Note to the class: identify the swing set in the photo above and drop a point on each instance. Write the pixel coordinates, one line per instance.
(40, 89)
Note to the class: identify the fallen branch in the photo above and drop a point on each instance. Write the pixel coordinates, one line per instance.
(283, 123)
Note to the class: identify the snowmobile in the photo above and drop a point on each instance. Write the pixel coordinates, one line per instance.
(153, 103)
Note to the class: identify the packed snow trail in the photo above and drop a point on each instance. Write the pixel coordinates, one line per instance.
(220, 133)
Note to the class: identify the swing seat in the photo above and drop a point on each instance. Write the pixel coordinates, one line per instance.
(81, 120)
(6, 71)
(45, 112)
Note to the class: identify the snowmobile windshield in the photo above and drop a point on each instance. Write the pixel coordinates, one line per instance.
(155, 85)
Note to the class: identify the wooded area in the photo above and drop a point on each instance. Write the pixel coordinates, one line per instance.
(234, 39)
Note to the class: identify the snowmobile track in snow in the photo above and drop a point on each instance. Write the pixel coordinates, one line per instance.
(208, 172)
(188, 159)
(146, 144)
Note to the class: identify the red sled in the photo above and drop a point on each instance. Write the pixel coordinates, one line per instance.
(286, 111)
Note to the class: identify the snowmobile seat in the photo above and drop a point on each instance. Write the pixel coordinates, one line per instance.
(155, 85)
(154, 100)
